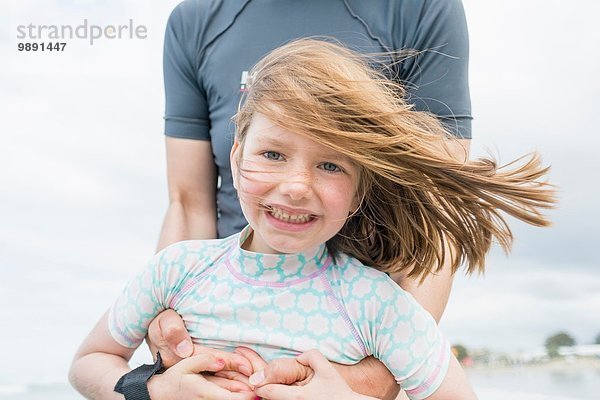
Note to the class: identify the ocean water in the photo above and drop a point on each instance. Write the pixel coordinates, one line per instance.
(578, 380)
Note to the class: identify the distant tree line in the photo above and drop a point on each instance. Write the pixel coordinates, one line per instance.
(460, 352)
(558, 340)
(552, 344)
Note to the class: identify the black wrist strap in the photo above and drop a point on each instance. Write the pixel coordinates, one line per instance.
(134, 384)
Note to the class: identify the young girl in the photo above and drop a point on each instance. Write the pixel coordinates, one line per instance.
(340, 182)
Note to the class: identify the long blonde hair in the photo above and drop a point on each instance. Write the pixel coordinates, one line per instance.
(415, 196)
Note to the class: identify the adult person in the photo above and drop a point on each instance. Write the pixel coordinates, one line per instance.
(210, 46)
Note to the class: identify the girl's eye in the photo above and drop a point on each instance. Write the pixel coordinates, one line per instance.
(330, 167)
(272, 155)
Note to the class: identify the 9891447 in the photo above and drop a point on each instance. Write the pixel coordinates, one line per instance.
(49, 46)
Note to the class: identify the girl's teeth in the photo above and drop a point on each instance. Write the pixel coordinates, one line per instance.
(298, 219)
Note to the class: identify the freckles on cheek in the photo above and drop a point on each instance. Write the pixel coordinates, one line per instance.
(253, 186)
(337, 195)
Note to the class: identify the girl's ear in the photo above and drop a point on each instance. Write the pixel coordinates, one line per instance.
(233, 161)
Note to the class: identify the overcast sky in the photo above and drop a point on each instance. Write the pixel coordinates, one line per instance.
(82, 171)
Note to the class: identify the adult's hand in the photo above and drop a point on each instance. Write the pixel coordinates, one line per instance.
(323, 384)
(167, 334)
(186, 381)
(257, 363)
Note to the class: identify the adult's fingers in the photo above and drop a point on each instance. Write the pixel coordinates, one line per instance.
(256, 361)
(234, 376)
(167, 334)
(279, 392)
(175, 333)
(228, 384)
(204, 386)
(284, 371)
(316, 361)
(201, 363)
(211, 391)
(233, 361)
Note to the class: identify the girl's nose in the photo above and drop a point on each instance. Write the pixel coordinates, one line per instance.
(297, 186)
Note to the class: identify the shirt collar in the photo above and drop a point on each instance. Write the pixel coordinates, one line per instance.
(275, 270)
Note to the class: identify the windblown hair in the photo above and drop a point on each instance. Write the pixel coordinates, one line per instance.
(419, 204)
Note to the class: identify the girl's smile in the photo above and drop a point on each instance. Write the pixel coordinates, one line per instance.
(295, 193)
(284, 218)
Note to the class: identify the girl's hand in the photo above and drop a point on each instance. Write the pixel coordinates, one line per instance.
(256, 362)
(323, 384)
(184, 381)
(286, 371)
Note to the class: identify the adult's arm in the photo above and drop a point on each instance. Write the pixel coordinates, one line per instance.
(192, 182)
(455, 385)
(191, 172)
(101, 361)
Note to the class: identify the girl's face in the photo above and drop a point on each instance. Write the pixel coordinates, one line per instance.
(294, 192)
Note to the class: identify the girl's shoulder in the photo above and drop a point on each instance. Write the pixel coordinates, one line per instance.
(357, 279)
(350, 266)
(188, 253)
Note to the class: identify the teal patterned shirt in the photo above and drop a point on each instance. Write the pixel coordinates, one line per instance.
(283, 304)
